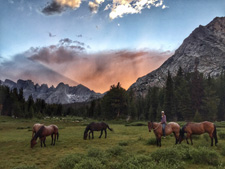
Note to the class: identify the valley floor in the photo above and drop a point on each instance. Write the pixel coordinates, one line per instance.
(127, 141)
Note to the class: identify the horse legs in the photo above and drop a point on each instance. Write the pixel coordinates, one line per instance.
(101, 134)
(191, 140)
(157, 141)
(41, 142)
(89, 135)
(188, 135)
(44, 141)
(211, 136)
(55, 139)
(160, 142)
(105, 133)
(52, 139)
(92, 134)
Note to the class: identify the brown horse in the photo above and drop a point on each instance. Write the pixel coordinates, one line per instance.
(171, 127)
(96, 127)
(35, 128)
(43, 132)
(198, 128)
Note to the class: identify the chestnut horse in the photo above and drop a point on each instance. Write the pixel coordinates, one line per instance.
(198, 128)
(171, 127)
(35, 128)
(96, 127)
(43, 132)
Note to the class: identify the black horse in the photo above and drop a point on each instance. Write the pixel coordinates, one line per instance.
(96, 127)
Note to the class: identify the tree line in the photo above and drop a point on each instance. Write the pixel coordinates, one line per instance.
(185, 97)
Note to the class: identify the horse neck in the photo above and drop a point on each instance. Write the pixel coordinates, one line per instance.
(38, 134)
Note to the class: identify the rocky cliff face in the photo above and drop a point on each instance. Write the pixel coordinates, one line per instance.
(204, 46)
(63, 93)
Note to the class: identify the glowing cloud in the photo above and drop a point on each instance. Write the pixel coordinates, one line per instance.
(95, 5)
(121, 7)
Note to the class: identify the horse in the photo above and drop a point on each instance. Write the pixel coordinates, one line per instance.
(43, 132)
(96, 127)
(171, 127)
(198, 128)
(35, 128)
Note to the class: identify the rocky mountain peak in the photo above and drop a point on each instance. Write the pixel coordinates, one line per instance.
(63, 93)
(206, 45)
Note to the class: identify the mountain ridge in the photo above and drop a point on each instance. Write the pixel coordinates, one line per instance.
(61, 94)
(206, 45)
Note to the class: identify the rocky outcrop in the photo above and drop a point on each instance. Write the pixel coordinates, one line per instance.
(204, 46)
(63, 93)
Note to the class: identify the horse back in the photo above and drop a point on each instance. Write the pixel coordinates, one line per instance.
(200, 128)
(37, 126)
(173, 126)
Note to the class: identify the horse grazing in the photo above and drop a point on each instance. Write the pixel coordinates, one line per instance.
(96, 127)
(171, 127)
(198, 128)
(35, 128)
(43, 132)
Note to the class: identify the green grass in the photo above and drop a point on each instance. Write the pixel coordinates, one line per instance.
(133, 144)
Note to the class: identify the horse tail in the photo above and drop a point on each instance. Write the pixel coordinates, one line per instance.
(57, 136)
(109, 128)
(215, 134)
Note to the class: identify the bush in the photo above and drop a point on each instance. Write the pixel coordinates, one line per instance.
(97, 153)
(221, 135)
(151, 141)
(115, 151)
(123, 143)
(203, 155)
(26, 167)
(69, 161)
(90, 163)
(206, 137)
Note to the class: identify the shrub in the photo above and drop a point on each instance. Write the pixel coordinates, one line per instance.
(115, 151)
(203, 155)
(221, 135)
(206, 137)
(151, 141)
(97, 153)
(123, 143)
(90, 163)
(26, 167)
(69, 161)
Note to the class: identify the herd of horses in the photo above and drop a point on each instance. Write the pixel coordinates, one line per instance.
(41, 131)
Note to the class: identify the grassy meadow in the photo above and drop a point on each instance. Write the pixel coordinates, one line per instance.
(129, 146)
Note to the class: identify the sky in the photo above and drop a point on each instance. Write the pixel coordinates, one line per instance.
(96, 43)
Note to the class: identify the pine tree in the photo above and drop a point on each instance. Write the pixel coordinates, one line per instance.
(169, 96)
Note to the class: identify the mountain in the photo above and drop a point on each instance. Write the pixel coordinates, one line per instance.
(205, 46)
(63, 93)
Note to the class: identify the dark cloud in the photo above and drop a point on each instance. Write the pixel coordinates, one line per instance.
(65, 41)
(80, 36)
(51, 35)
(53, 8)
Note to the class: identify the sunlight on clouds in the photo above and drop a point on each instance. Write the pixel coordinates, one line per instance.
(95, 5)
(121, 7)
(70, 3)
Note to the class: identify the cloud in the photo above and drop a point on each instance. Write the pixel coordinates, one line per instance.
(93, 6)
(63, 52)
(121, 7)
(99, 71)
(53, 8)
(20, 67)
(59, 6)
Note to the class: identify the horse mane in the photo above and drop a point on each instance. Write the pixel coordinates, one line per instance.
(38, 134)
(182, 131)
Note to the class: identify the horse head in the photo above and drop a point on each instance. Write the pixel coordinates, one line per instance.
(33, 142)
(85, 134)
(150, 125)
(181, 136)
